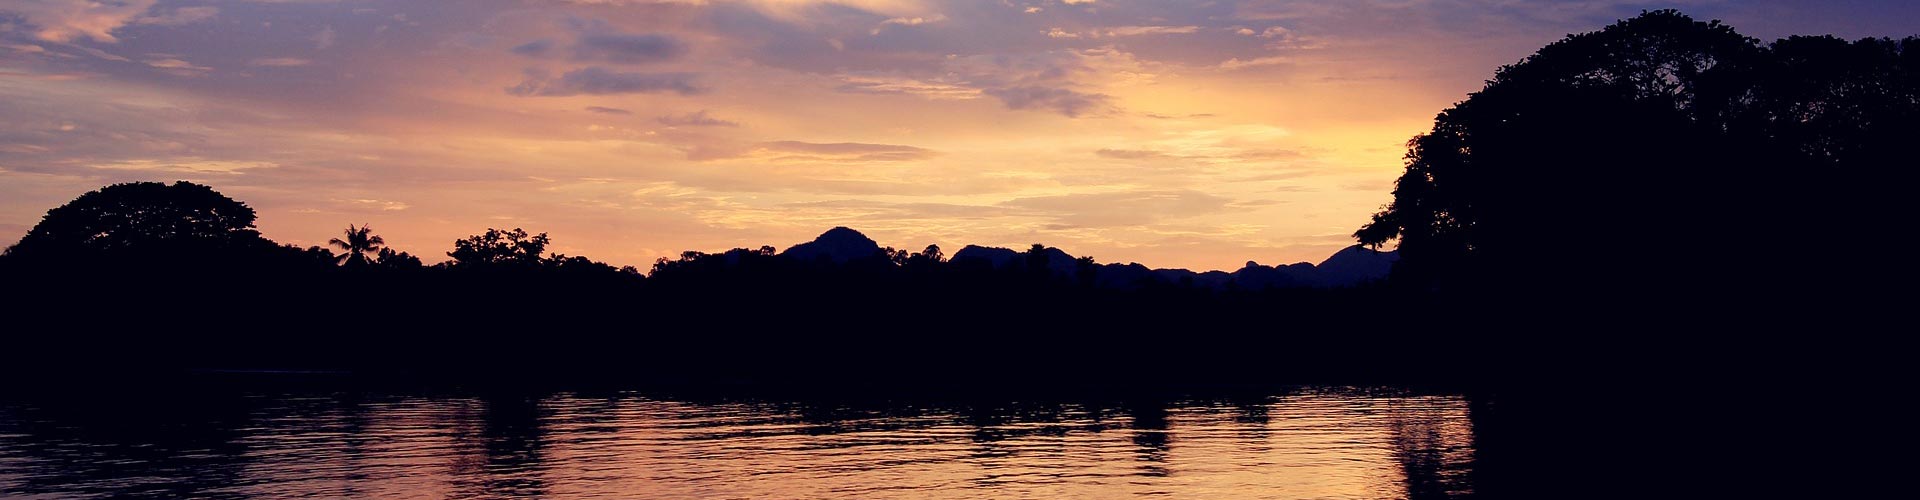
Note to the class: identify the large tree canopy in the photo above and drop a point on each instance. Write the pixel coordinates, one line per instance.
(1611, 149)
(499, 247)
(146, 217)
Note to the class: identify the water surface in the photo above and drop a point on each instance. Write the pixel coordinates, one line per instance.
(1305, 443)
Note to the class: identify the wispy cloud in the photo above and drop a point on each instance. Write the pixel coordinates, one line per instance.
(843, 151)
(695, 119)
(595, 80)
(279, 62)
(324, 38)
(1063, 101)
(628, 49)
(177, 66)
(179, 16)
(66, 21)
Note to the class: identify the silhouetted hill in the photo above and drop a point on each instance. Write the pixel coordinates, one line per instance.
(994, 257)
(1350, 266)
(1129, 276)
(838, 245)
(1183, 277)
(1058, 261)
(1354, 265)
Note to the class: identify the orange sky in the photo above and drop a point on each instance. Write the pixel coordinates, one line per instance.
(1176, 134)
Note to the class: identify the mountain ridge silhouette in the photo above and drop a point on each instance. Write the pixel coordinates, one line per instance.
(1350, 266)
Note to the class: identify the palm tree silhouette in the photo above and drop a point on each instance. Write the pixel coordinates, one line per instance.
(360, 243)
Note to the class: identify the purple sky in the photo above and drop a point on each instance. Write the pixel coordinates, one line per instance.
(1176, 134)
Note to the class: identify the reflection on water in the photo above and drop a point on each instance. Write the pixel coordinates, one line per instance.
(1316, 443)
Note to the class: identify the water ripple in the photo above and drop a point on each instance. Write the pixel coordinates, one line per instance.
(1317, 443)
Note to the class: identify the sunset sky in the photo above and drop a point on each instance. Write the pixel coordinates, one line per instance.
(1176, 134)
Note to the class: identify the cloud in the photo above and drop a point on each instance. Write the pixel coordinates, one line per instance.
(69, 20)
(1269, 154)
(1066, 102)
(1284, 38)
(1132, 154)
(596, 40)
(844, 151)
(279, 62)
(534, 48)
(595, 80)
(627, 49)
(100, 53)
(180, 16)
(1130, 208)
(186, 165)
(324, 38)
(912, 21)
(608, 111)
(695, 119)
(381, 205)
(906, 21)
(1158, 116)
(1232, 64)
(867, 212)
(856, 84)
(1119, 31)
(177, 66)
(1151, 30)
(24, 47)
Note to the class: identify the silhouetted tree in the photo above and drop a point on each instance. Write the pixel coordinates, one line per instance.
(932, 254)
(321, 255)
(1592, 159)
(387, 258)
(926, 259)
(1085, 271)
(896, 256)
(360, 242)
(1036, 261)
(182, 219)
(497, 247)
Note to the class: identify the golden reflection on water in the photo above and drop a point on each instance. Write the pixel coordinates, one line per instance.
(1306, 444)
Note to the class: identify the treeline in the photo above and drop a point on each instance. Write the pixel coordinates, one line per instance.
(170, 275)
(1610, 205)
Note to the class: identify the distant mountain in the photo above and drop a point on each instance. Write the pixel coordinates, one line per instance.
(838, 245)
(1355, 265)
(1183, 277)
(994, 257)
(1350, 266)
(1057, 260)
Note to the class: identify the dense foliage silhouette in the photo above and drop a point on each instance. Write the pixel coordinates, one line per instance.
(840, 307)
(1627, 212)
(135, 220)
(1600, 155)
